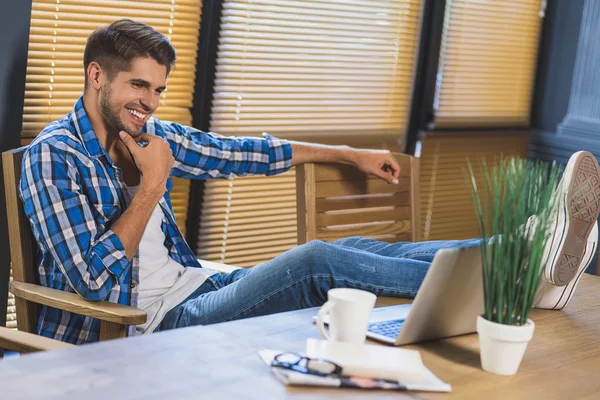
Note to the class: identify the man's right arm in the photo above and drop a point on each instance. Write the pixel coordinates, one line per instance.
(154, 162)
(63, 223)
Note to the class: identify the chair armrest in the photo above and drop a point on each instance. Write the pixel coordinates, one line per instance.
(217, 266)
(72, 302)
(24, 342)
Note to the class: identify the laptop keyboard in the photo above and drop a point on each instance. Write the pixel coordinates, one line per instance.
(387, 328)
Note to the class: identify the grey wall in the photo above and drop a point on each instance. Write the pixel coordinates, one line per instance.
(565, 116)
(561, 116)
(556, 63)
(14, 38)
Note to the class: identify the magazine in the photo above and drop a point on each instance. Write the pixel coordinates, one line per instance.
(290, 377)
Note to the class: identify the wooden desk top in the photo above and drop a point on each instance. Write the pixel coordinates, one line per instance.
(221, 361)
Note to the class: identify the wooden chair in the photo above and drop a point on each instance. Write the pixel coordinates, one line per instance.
(29, 295)
(337, 201)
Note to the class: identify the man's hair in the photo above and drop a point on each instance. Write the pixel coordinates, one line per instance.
(115, 46)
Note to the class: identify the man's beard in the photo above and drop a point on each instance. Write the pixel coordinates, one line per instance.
(111, 117)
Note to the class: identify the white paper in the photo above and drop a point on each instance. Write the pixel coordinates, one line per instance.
(288, 377)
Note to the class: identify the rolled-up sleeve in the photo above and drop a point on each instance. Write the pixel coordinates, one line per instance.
(63, 223)
(203, 155)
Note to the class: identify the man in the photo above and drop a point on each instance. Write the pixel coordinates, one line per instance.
(95, 186)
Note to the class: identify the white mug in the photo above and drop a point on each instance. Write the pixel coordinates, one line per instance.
(349, 313)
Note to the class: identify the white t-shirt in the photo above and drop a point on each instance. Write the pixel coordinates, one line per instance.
(164, 283)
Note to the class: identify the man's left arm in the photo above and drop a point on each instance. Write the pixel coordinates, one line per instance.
(380, 163)
(204, 155)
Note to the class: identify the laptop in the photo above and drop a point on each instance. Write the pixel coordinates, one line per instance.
(447, 303)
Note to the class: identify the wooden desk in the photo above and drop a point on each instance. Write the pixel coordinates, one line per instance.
(221, 361)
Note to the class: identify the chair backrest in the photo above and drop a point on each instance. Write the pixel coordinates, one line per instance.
(337, 201)
(23, 248)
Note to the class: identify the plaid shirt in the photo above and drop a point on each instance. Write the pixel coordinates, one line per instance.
(73, 193)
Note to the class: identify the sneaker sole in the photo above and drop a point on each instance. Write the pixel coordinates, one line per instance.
(567, 293)
(577, 213)
(551, 297)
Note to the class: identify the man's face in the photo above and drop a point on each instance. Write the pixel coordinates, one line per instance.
(132, 96)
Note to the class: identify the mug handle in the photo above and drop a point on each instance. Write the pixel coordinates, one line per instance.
(324, 310)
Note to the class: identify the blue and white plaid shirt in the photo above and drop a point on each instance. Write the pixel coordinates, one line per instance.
(73, 193)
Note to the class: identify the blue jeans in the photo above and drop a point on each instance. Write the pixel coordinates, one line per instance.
(301, 277)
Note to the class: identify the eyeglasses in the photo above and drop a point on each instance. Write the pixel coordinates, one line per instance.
(306, 365)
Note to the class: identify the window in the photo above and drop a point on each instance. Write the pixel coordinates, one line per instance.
(301, 69)
(446, 206)
(487, 64)
(485, 79)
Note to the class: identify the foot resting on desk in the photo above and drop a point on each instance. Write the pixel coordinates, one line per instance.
(574, 240)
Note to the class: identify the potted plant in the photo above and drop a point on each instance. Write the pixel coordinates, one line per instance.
(515, 223)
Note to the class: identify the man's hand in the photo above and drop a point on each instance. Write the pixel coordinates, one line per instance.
(154, 161)
(380, 163)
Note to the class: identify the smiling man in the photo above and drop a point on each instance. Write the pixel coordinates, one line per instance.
(95, 186)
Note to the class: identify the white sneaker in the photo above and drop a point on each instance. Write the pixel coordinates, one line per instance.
(577, 211)
(553, 297)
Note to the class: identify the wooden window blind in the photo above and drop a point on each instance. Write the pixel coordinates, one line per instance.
(299, 69)
(487, 63)
(447, 211)
(55, 75)
(249, 220)
(315, 67)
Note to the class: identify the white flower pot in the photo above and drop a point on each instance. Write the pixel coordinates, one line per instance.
(502, 346)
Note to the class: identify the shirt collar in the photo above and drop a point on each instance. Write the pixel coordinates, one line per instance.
(83, 127)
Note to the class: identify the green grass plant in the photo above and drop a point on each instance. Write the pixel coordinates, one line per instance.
(513, 251)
